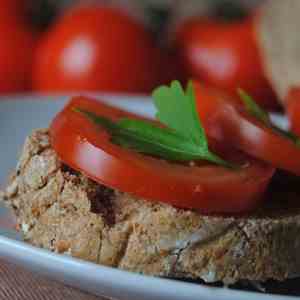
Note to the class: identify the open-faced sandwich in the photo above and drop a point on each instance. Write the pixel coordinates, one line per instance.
(207, 191)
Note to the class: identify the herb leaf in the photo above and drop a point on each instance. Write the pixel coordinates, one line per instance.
(183, 138)
(253, 108)
(260, 114)
(177, 110)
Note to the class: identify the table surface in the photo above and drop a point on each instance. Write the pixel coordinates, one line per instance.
(19, 284)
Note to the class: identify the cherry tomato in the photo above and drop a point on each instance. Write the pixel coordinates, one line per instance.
(97, 48)
(293, 109)
(16, 52)
(225, 119)
(85, 147)
(224, 55)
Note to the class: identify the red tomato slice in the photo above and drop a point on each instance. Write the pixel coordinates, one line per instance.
(293, 109)
(87, 148)
(225, 119)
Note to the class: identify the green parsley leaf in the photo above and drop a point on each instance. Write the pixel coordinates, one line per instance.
(260, 114)
(253, 108)
(146, 138)
(183, 138)
(177, 110)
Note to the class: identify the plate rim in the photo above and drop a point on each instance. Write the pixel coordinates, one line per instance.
(20, 253)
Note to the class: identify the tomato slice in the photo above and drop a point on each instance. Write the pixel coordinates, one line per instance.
(225, 119)
(87, 148)
(293, 109)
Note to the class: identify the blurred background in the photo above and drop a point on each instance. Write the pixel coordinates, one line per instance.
(130, 46)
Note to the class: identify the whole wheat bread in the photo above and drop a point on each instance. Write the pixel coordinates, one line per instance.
(61, 210)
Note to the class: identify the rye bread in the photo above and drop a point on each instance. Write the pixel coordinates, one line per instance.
(62, 210)
(277, 30)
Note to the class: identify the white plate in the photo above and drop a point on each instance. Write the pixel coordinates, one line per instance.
(18, 117)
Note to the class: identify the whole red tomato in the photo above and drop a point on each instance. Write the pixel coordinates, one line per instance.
(12, 10)
(17, 42)
(16, 52)
(97, 48)
(224, 55)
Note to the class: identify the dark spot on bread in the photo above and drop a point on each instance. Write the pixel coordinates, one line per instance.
(66, 169)
(102, 202)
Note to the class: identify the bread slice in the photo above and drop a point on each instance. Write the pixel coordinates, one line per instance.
(279, 42)
(62, 210)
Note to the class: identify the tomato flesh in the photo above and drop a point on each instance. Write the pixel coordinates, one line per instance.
(87, 148)
(226, 120)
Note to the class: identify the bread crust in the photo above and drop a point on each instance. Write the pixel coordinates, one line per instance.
(54, 208)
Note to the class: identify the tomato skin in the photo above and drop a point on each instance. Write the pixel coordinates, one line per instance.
(224, 55)
(12, 10)
(225, 120)
(293, 109)
(97, 48)
(16, 52)
(84, 147)
(17, 42)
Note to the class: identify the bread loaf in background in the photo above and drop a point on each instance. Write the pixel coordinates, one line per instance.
(278, 37)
